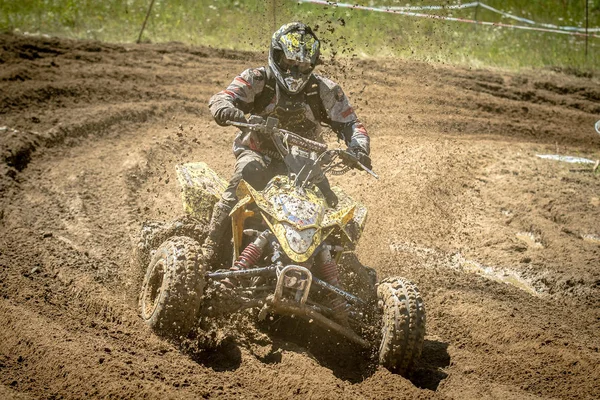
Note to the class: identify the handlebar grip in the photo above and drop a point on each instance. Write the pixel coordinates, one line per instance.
(348, 157)
(352, 160)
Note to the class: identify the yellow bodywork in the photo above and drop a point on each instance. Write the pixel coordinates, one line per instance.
(348, 217)
(202, 188)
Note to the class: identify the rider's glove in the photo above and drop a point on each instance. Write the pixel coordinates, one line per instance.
(362, 156)
(229, 114)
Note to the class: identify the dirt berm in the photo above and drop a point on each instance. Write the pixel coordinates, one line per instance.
(504, 245)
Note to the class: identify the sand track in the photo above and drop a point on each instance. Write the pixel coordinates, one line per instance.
(463, 206)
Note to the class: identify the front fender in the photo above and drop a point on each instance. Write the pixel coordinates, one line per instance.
(299, 245)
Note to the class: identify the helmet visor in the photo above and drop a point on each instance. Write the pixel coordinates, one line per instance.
(288, 65)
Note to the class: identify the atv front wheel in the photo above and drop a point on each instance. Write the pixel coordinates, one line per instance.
(403, 324)
(173, 287)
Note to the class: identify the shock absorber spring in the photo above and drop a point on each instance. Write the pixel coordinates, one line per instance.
(328, 269)
(329, 272)
(248, 257)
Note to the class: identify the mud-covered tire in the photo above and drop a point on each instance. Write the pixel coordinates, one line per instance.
(155, 233)
(173, 287)
(403, 324)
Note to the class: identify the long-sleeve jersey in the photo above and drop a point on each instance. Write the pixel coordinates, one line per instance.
(294, 112)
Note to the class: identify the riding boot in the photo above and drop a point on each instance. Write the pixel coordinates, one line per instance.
(330, 196)
(216, 230)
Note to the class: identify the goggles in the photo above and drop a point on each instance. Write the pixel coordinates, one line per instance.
(289, 65)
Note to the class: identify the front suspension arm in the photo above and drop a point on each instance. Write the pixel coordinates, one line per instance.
(242, 272)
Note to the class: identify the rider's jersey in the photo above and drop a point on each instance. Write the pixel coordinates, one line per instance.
(293, 112)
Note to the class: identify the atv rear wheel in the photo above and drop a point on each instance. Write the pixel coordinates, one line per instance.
(403, 324)
(173, 287)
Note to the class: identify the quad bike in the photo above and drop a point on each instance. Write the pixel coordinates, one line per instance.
(287, 244)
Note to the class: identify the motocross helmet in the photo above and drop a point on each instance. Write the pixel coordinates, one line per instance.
(293, 55)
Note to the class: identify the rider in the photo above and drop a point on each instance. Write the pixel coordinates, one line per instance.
(288, 90)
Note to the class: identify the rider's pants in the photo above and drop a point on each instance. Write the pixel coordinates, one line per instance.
(254, 168)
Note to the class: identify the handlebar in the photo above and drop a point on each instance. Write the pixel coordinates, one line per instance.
(269, 128)
(286, 136)
(351, 160)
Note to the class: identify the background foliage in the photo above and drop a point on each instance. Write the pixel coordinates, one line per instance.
(247, 25)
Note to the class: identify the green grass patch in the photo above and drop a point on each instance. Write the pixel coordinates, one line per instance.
(247, 25)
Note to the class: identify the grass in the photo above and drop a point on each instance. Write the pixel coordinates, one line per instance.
(247, 25)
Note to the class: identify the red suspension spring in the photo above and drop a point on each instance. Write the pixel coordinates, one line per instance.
(249, 257)
(329, 272)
